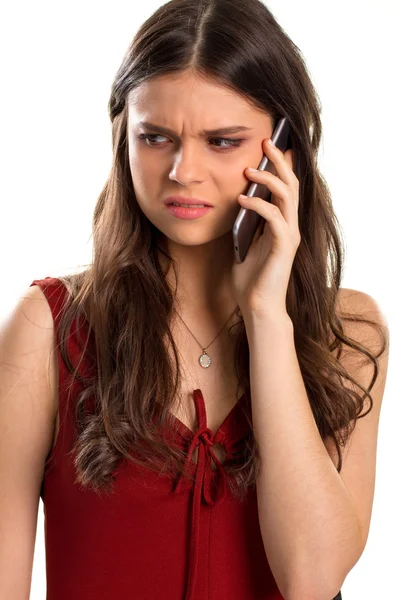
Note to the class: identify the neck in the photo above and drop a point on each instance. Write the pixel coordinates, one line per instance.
(203, 280)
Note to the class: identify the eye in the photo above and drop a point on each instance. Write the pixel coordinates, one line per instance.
(231, 143)
(147, 137)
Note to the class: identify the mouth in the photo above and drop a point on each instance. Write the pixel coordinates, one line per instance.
(187, 202)
(191, 212)
(187, 205)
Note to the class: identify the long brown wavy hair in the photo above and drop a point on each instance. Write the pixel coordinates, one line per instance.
(123, 295)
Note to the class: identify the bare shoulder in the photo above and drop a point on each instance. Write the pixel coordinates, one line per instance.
(356, 302)
(28, 366)
(359, 454)
(33, 307)
(27, 410)
(30, 315)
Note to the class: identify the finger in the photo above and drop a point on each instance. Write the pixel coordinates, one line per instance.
(288, 156)
(283, 193)
(283, 163)
(269, 212)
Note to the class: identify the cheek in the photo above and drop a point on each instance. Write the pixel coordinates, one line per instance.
(147, 187)
(234, 180)
(142, 176)
(140, 166)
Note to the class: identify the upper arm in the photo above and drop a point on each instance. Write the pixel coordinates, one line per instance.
(28, 381)
(359, 455)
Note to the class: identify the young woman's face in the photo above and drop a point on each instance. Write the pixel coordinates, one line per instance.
(185, 161)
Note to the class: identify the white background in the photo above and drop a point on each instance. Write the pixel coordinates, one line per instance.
(58, 63)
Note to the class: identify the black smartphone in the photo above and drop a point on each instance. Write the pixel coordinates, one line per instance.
(248, 220)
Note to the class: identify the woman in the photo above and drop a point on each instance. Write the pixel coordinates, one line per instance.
(192, 425)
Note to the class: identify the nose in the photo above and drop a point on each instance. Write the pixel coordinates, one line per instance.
(186, 168)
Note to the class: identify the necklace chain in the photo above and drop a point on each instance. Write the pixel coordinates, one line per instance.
(205, 359)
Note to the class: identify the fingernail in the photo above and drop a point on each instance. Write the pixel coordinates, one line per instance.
(252, 170)
(271, 143)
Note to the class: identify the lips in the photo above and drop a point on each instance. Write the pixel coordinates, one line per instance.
(187, 213)
(189, 201)
(187, 205)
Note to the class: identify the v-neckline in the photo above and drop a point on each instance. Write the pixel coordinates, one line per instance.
(190, 433)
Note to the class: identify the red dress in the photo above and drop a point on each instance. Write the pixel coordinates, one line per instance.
(150, 540)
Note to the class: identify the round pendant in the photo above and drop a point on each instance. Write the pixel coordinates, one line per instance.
(205, 360)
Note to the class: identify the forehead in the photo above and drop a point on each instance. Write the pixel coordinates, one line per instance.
(191, 97)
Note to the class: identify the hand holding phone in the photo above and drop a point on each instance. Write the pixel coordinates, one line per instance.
(248, 220)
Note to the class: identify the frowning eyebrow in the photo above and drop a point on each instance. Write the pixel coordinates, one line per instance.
(205, 132)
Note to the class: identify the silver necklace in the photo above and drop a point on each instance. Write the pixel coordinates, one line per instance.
(205, 359)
